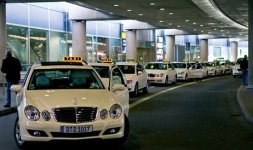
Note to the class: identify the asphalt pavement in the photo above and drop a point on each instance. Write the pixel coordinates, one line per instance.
(244, 101)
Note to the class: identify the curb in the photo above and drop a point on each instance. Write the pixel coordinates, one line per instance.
(242, 106)
(8, 111)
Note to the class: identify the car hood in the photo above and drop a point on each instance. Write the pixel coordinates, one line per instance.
(48, 99)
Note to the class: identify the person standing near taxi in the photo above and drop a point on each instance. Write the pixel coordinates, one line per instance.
(11, 67)
(244, 68)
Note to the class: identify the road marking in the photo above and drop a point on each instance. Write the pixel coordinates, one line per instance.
(159, 93)
(132, 105)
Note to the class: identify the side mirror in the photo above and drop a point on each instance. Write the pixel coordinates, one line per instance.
(118, 87)
(139, 72)
(16, 88)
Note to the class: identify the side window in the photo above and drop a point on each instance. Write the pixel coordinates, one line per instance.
(140, 68)
(170, 66)
(117, 77)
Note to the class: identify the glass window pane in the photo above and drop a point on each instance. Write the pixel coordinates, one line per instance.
(38, 17)
(102, 28)
(17, 13)
(91, 27)
(38, 45)
(17, 41)
(58, 20)
(58, 46)
(115, 30)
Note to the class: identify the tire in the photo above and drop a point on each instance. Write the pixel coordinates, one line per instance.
(136, 90)
(146, 88)
(20, 143)
(186, 77)
(175, 81)
(166, 81)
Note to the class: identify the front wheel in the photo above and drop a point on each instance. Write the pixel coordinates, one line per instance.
(17, 135)
(146, 88)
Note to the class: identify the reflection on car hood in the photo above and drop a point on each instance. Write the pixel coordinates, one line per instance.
(69, 98)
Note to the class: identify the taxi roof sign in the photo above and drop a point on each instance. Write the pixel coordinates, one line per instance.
(131, 60)
(106, 60)
(166, 61)
(72, 59)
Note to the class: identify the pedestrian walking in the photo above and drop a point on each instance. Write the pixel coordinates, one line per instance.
(11, 67)
(244, 68)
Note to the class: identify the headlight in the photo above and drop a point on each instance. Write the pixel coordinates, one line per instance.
(32, 113)
(103, 114)
(46, 115)
(161, 75)
(115, 111)
(129, 81)
(181, 73)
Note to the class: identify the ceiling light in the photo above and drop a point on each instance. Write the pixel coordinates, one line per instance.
(152, 4)
(171, 13)
(221, 30)
(187, 20)
(194, 23)
(214, 29)
(129, 10)
(170, 24)
(195, 29)
(201, 25)
(140, 14)
(178, 26)
(161, 21)
(111, 13)
(202, 31)
(115, 5)
(97, 8)
(162, 8)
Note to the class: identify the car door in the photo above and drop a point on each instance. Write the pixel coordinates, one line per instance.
(171, 72)
(117, 77)
(142, 76)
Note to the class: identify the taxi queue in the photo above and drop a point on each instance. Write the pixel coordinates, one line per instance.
(73, 100)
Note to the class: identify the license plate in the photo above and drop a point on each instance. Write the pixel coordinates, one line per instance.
(76, 129)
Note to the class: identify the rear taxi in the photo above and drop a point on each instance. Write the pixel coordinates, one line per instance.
(198, 71)
(161, 72)
(68, 101)
(136, 75)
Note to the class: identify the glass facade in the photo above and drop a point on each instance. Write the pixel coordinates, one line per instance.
(42, 32)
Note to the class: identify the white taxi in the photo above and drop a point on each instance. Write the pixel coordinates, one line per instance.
(198, 71)
(161, 72)
(136, 75)
(68, 101)
(182, 69)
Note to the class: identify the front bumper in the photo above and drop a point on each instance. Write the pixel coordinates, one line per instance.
(156, 80)
(52, 131)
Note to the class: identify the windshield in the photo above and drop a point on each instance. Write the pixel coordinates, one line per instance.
(179, 65)
(127, 69)
(64, 79)
(159, 66)
(210, 64)
(103, 71)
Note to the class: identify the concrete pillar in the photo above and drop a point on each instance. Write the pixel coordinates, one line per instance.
(79, 39)
(3, 32)
(250, 46)
(170, 44)
(204, 49)
(234, 50)
(131, 50)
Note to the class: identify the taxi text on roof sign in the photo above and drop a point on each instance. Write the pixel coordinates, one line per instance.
(166, 61)
(131, 60)
(106, 60)
(72, 59)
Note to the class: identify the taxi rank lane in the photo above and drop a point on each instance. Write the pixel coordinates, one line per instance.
(200, 116)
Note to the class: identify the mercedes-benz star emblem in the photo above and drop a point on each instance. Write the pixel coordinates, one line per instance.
(75, 101)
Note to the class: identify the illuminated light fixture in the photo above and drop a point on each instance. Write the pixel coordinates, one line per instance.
(194, 23)
(195, 29)
(111, 13)
(97, 8)
(170, 24)
(162, 9)
(178, 26)
(171, 13)
(187, 20)
(161, 21)
(152, 4)
(129, 10)
(228, 32)
(201, 25)
(202, 31)
(221, 30)
(140, 14)
(215, 29)
(115, 5)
